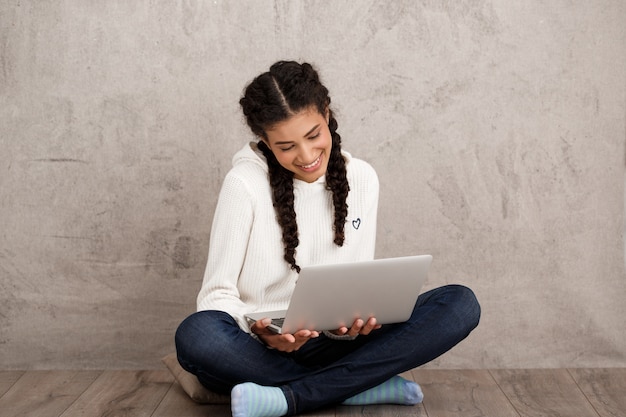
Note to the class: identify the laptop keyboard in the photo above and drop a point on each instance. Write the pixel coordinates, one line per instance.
(278, 322)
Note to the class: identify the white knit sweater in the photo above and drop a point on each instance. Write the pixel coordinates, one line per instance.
(245, 270)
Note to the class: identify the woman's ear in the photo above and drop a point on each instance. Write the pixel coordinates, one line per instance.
(266, 142)
(327, 115)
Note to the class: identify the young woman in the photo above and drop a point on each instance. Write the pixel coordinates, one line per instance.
(292, 199)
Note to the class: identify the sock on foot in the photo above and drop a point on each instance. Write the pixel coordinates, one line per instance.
(252, 400)
(396, 390)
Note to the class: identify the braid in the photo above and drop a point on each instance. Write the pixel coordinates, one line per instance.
(281, 181)
(272, 97)
(337, 183)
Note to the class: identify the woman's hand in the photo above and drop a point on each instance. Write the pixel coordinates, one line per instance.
(359, 327)
(282, 342)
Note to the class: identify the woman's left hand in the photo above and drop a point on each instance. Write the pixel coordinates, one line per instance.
(359, 327)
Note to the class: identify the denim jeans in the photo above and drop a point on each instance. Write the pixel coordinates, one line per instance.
(324, 371)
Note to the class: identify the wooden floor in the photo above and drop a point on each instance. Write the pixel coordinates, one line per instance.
(471, 393)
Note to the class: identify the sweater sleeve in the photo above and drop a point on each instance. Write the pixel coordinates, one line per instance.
(230, 233)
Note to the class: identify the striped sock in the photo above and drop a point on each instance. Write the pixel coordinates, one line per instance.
(252, 400)
(396, 390)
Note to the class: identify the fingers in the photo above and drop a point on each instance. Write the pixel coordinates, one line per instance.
(359, 327)
(305, 335)
(355, 330)
(293, 342)
(287, 342)
(341, 331)
(260, 326)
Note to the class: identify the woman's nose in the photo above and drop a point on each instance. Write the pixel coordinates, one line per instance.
(307, 154)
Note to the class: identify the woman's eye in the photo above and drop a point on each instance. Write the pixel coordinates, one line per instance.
(317, 135)
(287, 148)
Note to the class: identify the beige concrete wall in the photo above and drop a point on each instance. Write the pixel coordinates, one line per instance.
(497, 128)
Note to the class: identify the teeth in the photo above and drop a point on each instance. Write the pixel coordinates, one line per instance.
(312, 164)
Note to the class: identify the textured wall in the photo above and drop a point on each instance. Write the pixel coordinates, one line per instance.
(497, 129)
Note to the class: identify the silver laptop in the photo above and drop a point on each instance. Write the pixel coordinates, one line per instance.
(327, 297)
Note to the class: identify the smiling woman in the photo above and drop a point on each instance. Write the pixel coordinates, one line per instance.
(296, 188)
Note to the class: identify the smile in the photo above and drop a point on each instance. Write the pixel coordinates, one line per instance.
(312, 164)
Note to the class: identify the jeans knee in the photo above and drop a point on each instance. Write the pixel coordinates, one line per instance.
(469, 307)
(203, 331)
(185, 331)
(184, 339)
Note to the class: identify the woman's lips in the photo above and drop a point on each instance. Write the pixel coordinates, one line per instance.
(313, 165)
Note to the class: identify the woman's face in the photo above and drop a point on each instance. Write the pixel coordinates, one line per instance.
(302, 144)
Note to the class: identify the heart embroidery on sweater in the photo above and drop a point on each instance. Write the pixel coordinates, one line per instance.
(356, 223)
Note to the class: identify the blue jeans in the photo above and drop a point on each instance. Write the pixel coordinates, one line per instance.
(211, 345)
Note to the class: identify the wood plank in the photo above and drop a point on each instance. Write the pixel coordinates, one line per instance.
(7, 379)
(378, 410)
(45, 393)
(543, 392)
(132, 393)
(323, 412)
(471, 393)
(604, 388)
(177, 403)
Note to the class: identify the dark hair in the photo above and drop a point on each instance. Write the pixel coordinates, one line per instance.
(274, 96)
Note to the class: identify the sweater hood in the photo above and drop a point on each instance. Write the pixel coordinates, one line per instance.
(250, 153)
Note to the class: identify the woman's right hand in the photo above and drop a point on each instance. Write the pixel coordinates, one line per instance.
(282, 342)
